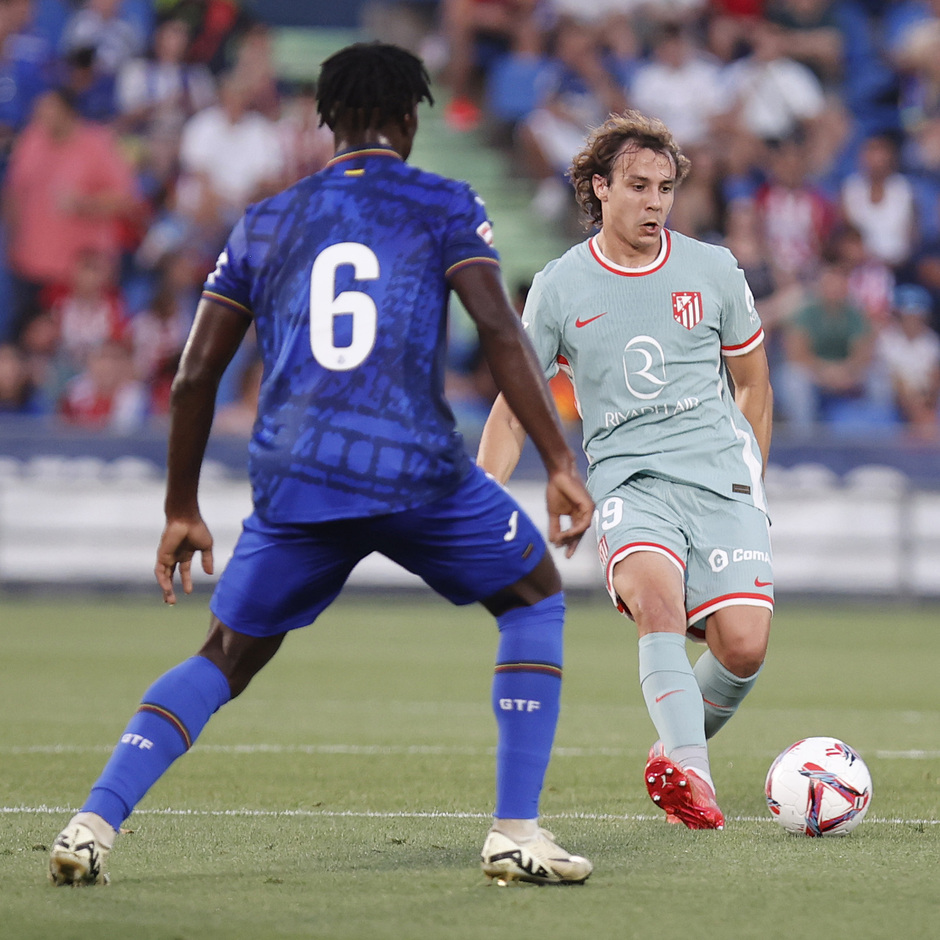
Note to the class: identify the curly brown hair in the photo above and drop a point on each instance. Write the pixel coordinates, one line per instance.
(606, 142)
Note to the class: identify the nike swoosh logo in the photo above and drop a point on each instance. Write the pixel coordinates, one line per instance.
(579, 322)
(666, 695)
(758, 583)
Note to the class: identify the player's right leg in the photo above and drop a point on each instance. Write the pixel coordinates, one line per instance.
(678, 779)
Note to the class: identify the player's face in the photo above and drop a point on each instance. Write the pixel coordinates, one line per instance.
(635, 203)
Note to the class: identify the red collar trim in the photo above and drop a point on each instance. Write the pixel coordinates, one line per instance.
(609, 265)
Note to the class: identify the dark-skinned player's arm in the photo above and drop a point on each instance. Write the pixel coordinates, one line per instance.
(214, 339)
(518, 376)
(753, 394)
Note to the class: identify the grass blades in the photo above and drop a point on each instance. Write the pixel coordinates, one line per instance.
(347, 793)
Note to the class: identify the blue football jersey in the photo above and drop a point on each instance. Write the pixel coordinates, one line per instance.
(345, 275)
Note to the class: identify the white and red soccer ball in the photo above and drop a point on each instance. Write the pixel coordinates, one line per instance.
(818, 787)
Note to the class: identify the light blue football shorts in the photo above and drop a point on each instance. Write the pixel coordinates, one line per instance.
(721, 546)
(466, 546)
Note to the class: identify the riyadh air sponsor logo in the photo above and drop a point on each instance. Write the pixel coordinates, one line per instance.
(687, 308)
(644, 367)
(719, 559)
(613, 418)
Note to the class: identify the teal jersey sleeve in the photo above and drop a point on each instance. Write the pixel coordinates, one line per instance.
(740, 327)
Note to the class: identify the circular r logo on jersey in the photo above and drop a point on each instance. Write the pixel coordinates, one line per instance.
(644, 367)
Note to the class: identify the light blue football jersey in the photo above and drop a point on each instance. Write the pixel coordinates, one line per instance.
(644, 348)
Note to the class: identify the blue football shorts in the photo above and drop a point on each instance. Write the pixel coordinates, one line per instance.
(466, 546)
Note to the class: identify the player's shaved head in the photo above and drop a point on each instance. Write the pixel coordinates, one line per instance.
(370, 85)
(620, 134)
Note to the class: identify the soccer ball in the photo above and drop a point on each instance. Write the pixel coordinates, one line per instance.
(818, 787)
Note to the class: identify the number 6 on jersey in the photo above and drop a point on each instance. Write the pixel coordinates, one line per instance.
(326, 305)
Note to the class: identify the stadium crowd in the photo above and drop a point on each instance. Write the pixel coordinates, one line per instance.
(133, 133)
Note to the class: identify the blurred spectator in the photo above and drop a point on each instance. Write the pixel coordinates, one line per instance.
(476, 33)
(39, 343)
(106, 396)
(26, 62)
(745, 238)
(99, 25)
(237, 418)
(679, 84)
(870, 84)
(829, 346)
(810, 33)
(797, 218)
(871, 281)
(159, 331)
(91, 88)
(910, 350)
(512, 85)
(767, 96)
(68, 189)
(253, 66)
(918, 57)
(89, 312)
(307, 145)
(700, 212)
(214, 27)
(879, 201)
(18, 395)
(159, 92)
(215, 191)
(578, 94)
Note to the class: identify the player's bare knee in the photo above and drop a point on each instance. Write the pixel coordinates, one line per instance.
(744, 656)
(655, 612)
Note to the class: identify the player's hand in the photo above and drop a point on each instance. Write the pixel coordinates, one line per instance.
(567, 496)
(181, 539)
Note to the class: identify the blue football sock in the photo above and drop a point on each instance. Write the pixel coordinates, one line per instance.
(672, 695)
(722, 691)
(526, 698)
(172, 713)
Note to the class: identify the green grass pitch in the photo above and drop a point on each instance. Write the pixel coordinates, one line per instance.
(347, 793)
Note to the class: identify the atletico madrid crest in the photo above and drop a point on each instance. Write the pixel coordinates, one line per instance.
(687, 308)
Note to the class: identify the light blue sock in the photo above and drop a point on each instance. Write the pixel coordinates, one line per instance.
(526, 700)
(722, 691)
(672, 695)
(172, 713)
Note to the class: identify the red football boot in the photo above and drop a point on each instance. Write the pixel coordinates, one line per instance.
(682, 794)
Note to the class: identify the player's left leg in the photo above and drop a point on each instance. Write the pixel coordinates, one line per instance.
(172, 713)
(737, 640)
(479, 545)
(526, 695)
(309, 572)
(730, 593)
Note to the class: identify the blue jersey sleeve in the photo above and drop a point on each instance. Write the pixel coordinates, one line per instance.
(230, 283)
(469, 235)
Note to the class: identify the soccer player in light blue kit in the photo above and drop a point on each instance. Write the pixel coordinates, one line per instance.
(648, 324)
(346, 277)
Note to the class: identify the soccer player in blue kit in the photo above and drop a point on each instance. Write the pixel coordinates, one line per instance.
(346, 277)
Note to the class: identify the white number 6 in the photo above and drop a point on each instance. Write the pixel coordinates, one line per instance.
(326, 305)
